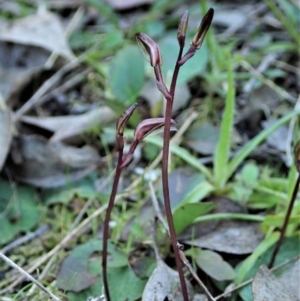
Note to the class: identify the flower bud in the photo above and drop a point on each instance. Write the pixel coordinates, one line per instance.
(123, 119)
(149, 126)
(183, 23)
(151, 47)
(203, 28)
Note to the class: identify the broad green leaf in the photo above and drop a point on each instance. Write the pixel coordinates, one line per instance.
(249, 174)
(126, 74)
(221, 155)
(253, 143)
(83, 189)
(185, 214)
(80, 274)
(213, 265)
(18, 210)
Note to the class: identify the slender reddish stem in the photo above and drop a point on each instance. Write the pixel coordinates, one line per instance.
(106, 222)
(165, 183)
(286, 222)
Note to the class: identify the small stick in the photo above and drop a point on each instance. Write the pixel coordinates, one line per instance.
(20, 270)
(24, 239)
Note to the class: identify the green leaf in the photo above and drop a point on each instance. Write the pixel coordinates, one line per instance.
(253, 143)
(249, 174)
(81, 274)
(18, 210)
(83, 188)
(221, 155)
(126, 74)
(213, 265)
(185, 214)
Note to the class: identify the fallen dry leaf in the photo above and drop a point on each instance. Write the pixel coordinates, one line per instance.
(290, 280)
(164, 284)
(67, 128)
(233, 237)
(42, 30)
(266, 287)
(18, 64)
(40, 163)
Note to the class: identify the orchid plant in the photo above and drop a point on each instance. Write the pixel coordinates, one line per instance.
(149, 126)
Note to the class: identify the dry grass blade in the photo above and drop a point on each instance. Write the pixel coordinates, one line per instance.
(28, 276)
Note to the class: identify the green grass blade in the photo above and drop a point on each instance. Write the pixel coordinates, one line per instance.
(229, 216)
(198, 193)
(250, 261)
(285, 21)
(253, 143)
(221, 156)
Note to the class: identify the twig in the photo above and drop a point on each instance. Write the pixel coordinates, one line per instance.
(156, 207)
(267, 81)
(24, 239)
(24, 273)
(70, 83)
(46, 86)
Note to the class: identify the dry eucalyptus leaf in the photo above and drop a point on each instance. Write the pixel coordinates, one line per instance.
(290, 280)
(233, 237)
(6, 131)
(42, 30)
(266, 287)
(280, 134)
(164, 284)
(18, 64)
(71, 127)
(37, 162)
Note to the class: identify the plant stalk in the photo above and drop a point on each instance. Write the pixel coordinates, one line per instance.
(165, 183)
(106, 222)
